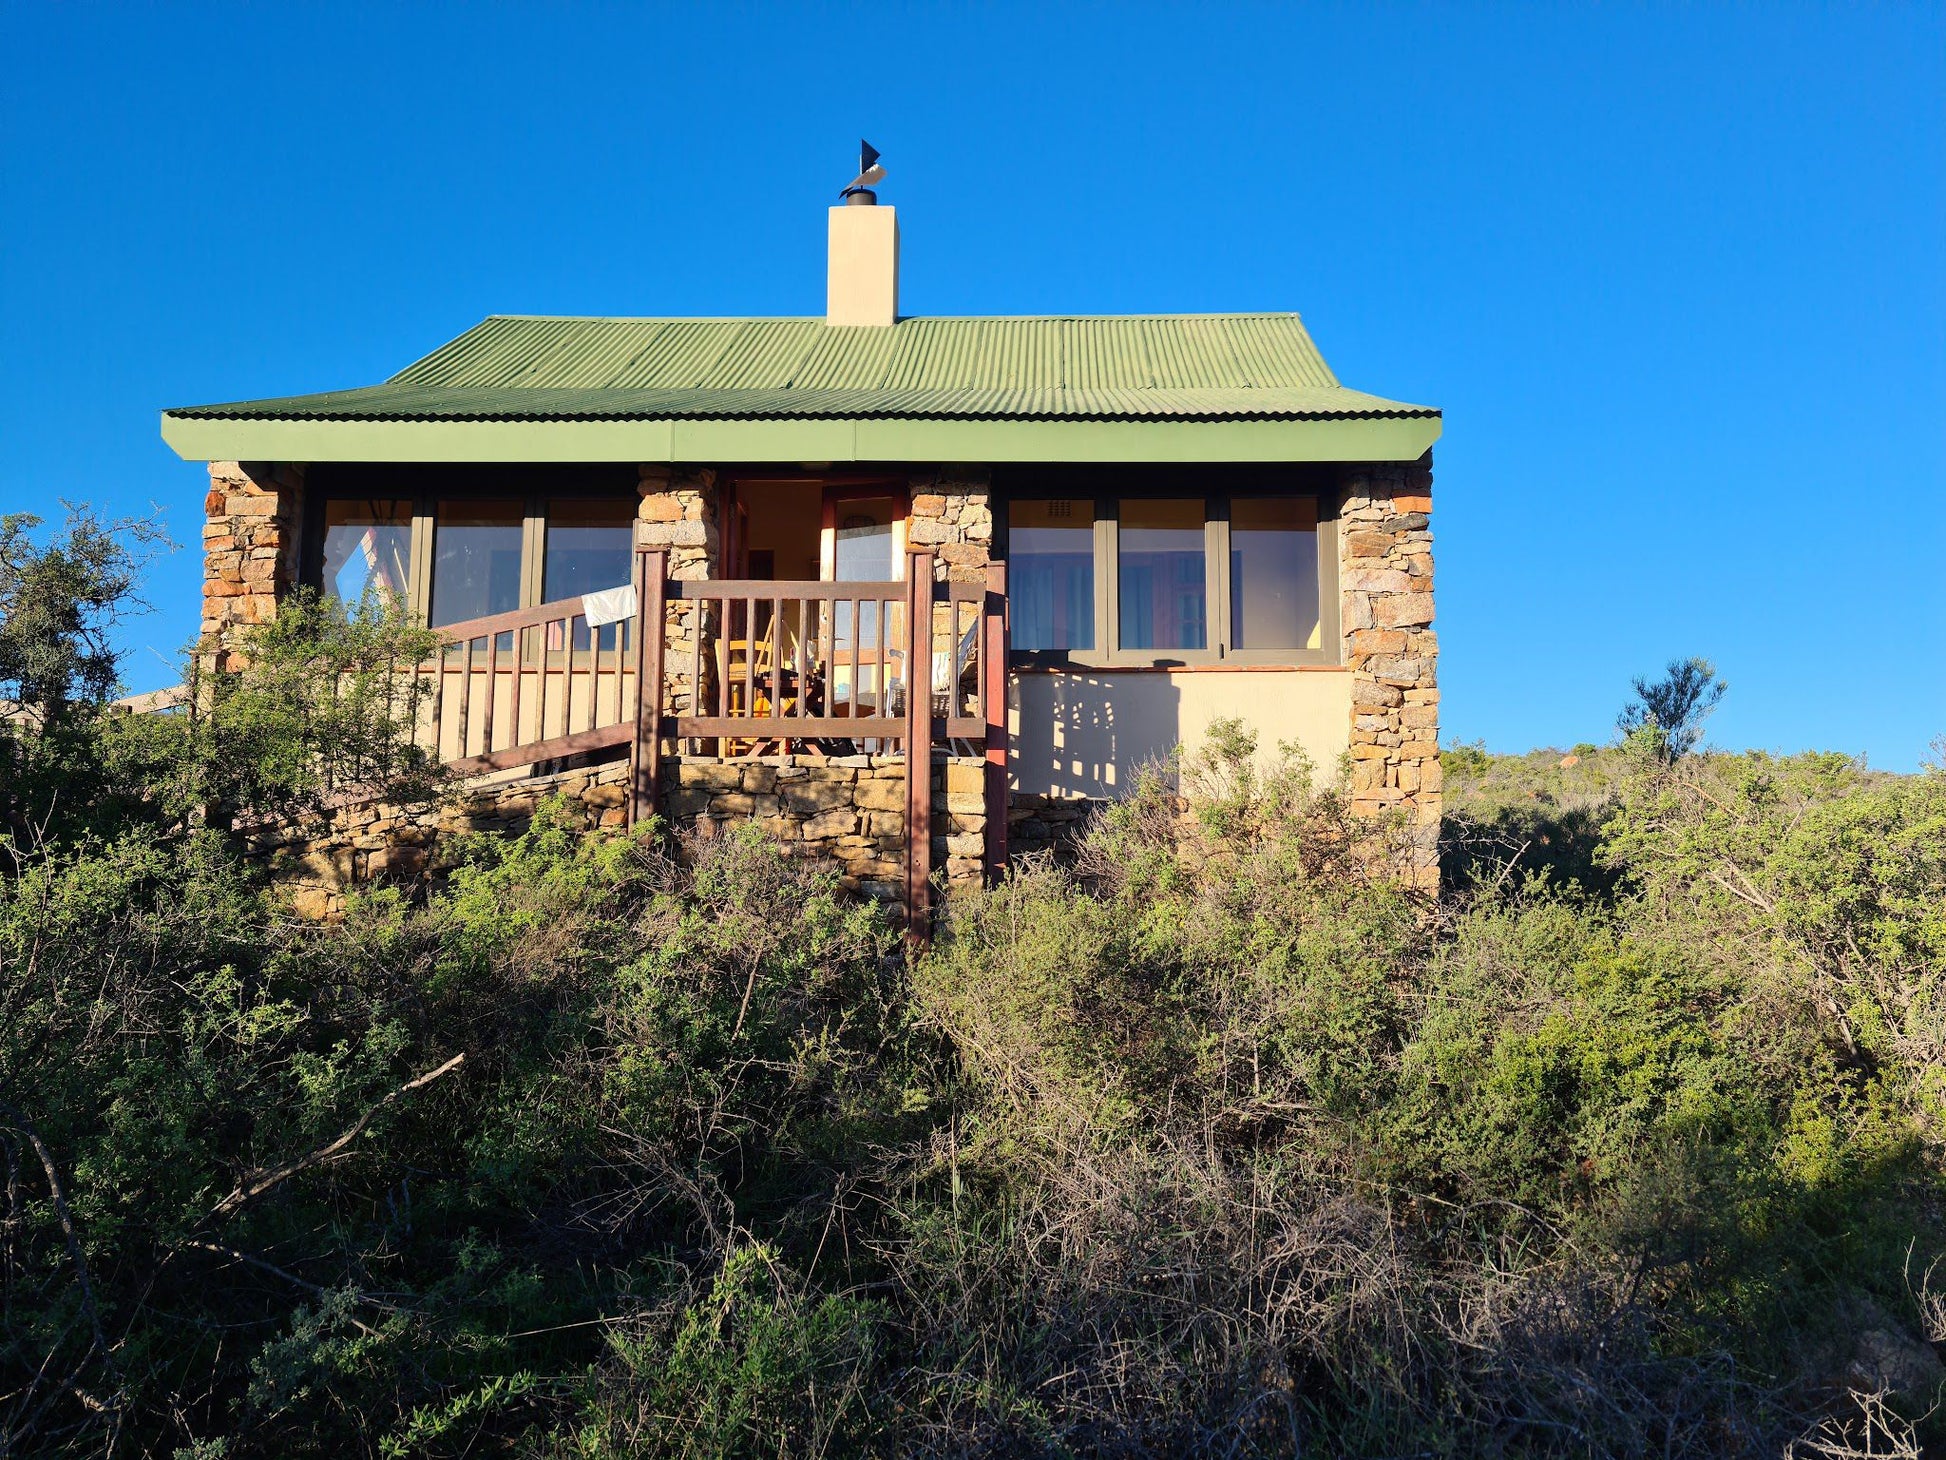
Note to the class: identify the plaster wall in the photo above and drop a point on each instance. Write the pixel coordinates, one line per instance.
(1085, 733)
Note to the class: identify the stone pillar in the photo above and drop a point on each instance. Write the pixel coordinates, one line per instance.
(679, 512)
(1385, 572)
(952, 514)
(249, 549)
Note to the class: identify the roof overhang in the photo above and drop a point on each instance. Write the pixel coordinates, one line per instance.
(202, 438)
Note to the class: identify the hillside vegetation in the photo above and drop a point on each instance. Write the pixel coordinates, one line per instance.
(1211, 1143)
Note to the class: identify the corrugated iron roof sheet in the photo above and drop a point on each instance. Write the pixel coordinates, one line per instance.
(1138, 367)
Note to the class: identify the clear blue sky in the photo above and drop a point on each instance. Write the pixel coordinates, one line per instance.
(1677, 275)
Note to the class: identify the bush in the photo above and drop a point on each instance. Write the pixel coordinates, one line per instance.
(321, 701)
(1215, 1142)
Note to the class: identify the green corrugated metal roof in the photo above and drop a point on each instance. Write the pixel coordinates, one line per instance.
(1192, 368)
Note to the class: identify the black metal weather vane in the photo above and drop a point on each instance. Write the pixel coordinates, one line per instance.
(869, 172)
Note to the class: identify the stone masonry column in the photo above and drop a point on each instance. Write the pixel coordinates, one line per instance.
(1385, 572)
(249, 549)
(679, 512)
(952, 513)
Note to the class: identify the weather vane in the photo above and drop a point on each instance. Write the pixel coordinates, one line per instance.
(869, 172)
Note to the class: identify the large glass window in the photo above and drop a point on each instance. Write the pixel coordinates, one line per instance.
(1160, 579)
(1274, 573)
(476, 559)
(367, 548)
(1162, 575)
(1051, 574)
(589, 543)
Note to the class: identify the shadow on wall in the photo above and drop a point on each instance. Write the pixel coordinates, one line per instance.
(1086, 733)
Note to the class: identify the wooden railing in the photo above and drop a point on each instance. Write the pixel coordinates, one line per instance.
(805, 662)
(755, 663)
(530, 684)
(794, 661)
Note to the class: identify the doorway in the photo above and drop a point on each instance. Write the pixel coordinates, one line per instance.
(848, 531)
(848, 650)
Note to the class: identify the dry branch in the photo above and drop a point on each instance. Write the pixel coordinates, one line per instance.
(258, 1182)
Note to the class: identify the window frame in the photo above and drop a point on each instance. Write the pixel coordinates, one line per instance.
(1108, 652)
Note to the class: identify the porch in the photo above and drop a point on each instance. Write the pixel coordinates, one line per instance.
(805, 703)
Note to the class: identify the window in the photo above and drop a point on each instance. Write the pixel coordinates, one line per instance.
(1274, 573)
(864, 545)
(1171, 579)
(1160, 572)
(367, 548)
(864, 541)
(459, 542)
(1051, 574)
(589, 546)
(476, 552)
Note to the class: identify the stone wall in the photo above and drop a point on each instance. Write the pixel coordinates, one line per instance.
(1385, 573)
(678, 512)
(1047, 824)
(952, 513)
(318, 862)
(249, 548)
(846, 814)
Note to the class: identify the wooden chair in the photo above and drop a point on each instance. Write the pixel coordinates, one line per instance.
(746, 666)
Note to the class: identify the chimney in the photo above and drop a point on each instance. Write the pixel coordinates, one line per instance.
(862, 286)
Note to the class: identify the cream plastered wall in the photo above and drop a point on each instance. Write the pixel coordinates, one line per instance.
(1086, 733)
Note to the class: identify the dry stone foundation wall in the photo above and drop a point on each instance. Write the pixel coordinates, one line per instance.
(846, 812)
(1048, 825)
(316, 863)
(846, 815)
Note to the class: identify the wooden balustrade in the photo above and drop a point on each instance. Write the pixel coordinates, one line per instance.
(530, 684)
(793, 661)
(760, 663)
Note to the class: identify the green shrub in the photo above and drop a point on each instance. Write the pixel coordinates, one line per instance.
(1216, 1141)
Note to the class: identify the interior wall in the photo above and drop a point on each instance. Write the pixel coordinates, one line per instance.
(784, 518)
(1088, 733)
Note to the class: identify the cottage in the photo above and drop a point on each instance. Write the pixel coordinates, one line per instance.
(756, 567)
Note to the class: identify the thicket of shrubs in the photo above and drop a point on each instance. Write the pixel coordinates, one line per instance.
(1213, 1143)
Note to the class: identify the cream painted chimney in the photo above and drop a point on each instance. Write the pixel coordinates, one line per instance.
(862, 286)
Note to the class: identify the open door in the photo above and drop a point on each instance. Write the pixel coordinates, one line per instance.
(862, 540)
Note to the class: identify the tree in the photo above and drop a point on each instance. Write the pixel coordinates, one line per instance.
(1673, 708)
(61, 596)
(59, 602)
(321, 701)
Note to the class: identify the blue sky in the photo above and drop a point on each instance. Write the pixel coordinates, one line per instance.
(1677, 275)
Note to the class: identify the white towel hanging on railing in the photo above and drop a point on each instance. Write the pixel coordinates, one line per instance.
(610, 606)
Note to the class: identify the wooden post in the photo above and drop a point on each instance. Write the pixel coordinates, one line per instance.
(645, 751)
(993, 698)
(918, 749)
